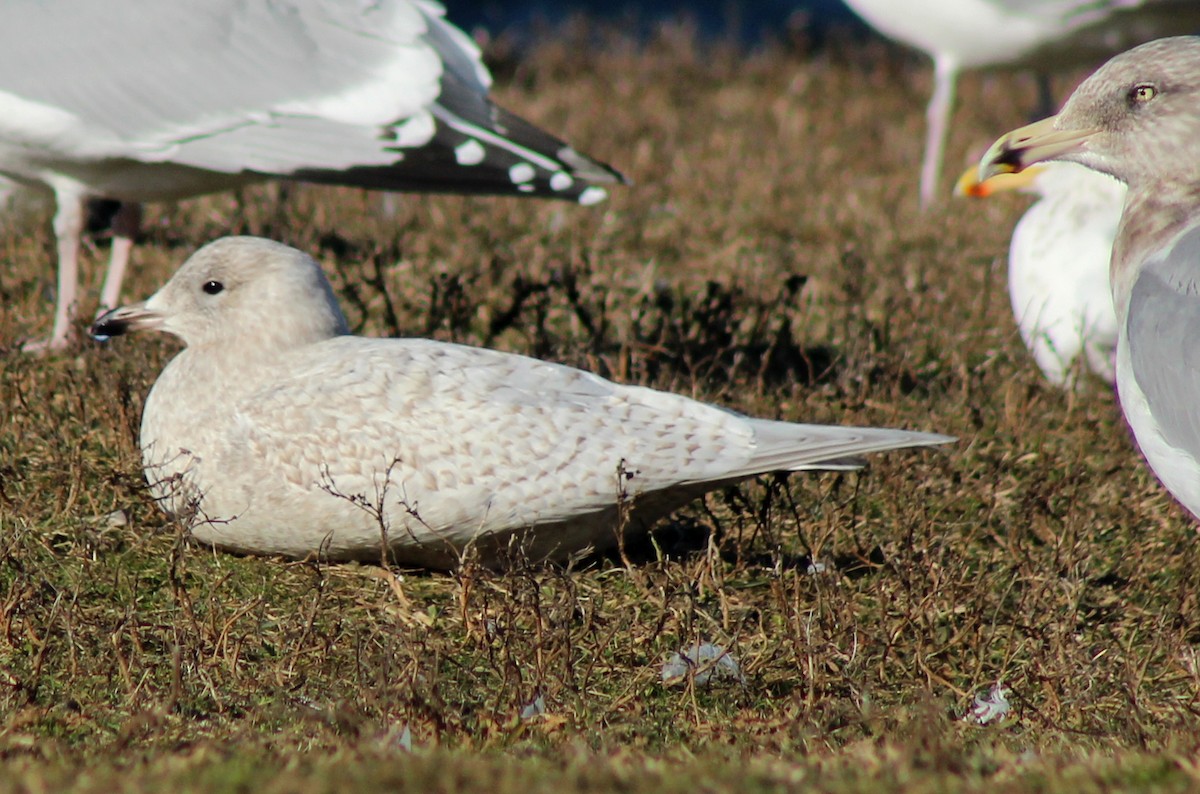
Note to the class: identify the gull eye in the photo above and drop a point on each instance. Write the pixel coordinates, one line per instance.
(213, 287)
(1141, 93)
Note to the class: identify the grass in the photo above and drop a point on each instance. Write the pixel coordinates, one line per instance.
(770, 257)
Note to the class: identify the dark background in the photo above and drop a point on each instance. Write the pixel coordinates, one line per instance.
(747, 23)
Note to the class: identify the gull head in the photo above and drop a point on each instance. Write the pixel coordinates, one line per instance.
(244, 294)
(1136, 118)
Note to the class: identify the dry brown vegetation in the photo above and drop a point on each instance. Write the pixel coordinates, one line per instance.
(770, 257)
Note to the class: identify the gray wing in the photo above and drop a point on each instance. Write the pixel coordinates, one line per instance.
(145, 68)
(383, 94)
(1163, 328)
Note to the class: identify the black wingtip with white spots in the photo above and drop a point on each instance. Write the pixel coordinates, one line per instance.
(480, 148)
(463, 143)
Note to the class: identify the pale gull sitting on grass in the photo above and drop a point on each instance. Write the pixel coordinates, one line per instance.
(981, 34)
(1138, 119)
(140, 100)
(1058, 266)
(284, 435)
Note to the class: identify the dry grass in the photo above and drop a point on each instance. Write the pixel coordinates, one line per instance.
(769, 257)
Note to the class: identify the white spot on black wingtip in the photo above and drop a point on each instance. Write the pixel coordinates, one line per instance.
(526, 188)
(561, 180)
(522, 173)
(592, 195)
(416, 131)
(469, 152)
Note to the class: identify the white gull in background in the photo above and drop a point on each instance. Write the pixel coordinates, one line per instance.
(140, 100)
(1138, 119)
(1058, 265)
(980, 34)
(285, 435)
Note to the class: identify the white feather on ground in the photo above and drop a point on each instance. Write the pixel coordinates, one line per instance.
(140, 100)
(1058, 265)
(289, 436)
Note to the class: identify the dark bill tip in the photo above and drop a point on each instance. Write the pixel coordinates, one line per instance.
(1033, 143)
(114, 322)
(1008, 160)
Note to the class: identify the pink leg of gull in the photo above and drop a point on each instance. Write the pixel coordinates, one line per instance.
(126, 223)
(68, 226)
(937, 120)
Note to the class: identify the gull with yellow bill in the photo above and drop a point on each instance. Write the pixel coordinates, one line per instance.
(1138, 119)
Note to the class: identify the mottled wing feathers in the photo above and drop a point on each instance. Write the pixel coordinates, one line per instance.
(532, 439)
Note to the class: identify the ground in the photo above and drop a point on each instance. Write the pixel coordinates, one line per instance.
(769, 256)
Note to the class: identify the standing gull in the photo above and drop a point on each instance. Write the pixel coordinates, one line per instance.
(140, 100)
(1138, 119)
(282, 434)
(981, 34)
(1058, 265)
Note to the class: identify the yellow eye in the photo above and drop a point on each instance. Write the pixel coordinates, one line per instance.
(1142, 93)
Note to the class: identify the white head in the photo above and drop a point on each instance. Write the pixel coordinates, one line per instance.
(243, 293)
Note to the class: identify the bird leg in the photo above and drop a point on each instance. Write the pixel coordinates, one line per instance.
(125, 225)
(68, 226)
(937, 120)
